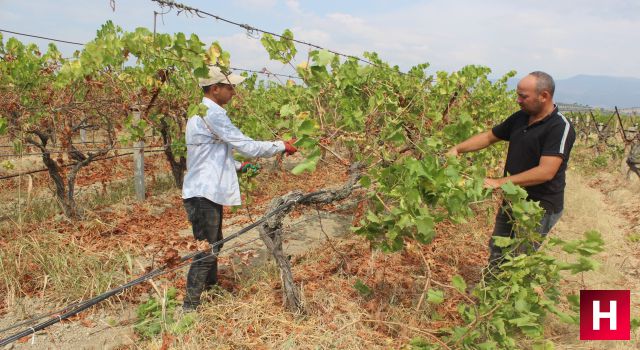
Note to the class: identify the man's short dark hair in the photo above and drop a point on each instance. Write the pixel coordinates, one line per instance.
(544, 82)
(205, 89)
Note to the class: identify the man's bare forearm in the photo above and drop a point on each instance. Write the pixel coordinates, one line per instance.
(531, 177)
(476, 142)
(544, 172)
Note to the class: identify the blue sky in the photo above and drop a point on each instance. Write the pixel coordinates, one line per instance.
(562, 37)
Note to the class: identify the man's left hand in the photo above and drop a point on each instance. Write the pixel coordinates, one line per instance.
(494, 183)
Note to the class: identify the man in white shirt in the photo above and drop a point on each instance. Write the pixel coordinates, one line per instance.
(211, 180)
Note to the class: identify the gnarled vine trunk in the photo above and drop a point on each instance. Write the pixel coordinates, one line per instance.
(178, 163)
(65, 185)
(271, 231)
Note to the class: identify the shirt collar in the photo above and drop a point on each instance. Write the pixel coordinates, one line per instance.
(554, 112)
(212, 105)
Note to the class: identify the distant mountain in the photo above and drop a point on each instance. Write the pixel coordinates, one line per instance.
(597, 91)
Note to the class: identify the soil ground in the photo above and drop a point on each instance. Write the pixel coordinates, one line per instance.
(112, 328)
(610, 204)
(602, 201)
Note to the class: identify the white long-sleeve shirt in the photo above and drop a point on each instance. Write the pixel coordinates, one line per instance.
(211, 169)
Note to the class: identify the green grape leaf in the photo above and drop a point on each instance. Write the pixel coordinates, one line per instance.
(306, 142)
(424, 225)
(362, 288)
(435, 296)
(3, 126)
(288, 110)
(324, 57)
(458, 283)
(573, 299)
(307, 127)
(201, 72)
(502, 242)
(509, 188)
(397, 136)
(308, 164)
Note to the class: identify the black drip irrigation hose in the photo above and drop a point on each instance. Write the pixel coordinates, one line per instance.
(149, 275)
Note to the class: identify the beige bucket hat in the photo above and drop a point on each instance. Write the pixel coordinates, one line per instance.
(216, 76)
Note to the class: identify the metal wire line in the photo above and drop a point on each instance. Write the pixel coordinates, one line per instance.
(81, 44)
(42, 37)
(157, 148)
(251, 29)
(266, 73)
(61, 151)
(72, 164)
(247, 27)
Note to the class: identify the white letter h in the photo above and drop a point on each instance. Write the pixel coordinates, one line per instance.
(611, 315)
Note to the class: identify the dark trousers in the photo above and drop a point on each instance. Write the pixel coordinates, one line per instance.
(632, 167)
(504, 228)
(206, 219)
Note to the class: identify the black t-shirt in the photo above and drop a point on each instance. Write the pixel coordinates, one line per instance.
(552, 136)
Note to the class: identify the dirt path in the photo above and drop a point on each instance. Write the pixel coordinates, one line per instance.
(611, 205)
(104, 329)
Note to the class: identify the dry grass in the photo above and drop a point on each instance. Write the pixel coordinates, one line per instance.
(45, 256)
(250, 313)
(252, 316)
(602, 200)
(254, 319)
(46, 264)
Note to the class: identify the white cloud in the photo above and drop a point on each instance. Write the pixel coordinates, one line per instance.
(294, 6)
(556, 36)
(314, 36)
(256, 4)
(347, 20)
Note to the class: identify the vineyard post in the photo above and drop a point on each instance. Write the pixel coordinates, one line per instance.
(83, 136)
(138, 159)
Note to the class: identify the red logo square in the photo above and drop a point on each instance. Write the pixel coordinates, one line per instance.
(605, 315)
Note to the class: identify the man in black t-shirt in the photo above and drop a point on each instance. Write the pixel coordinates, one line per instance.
(540, 141)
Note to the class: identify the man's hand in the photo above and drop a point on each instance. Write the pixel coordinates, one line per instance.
(453, 151)
(289, 148)
(474, 143)
(494, 183)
